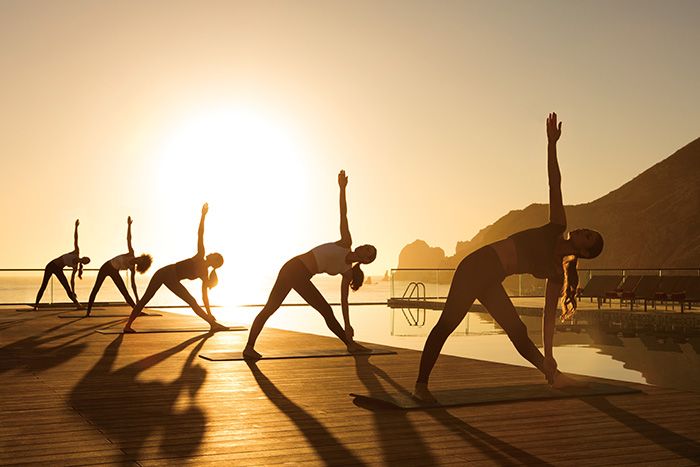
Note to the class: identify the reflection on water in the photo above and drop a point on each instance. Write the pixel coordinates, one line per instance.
(594, 349)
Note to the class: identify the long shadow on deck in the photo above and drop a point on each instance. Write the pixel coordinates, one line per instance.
(328, 447)
(32, 354)
(398, 444)
(497, 450)
(663, 437)
(130, 411)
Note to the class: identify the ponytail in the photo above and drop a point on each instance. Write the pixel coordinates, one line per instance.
(81, 261)
(358, 277)
(568, 304)
(213, 279)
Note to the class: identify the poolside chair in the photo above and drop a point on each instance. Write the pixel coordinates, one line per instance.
(671, 289)
(646, 290)
(625, 291)
(691, 294)
(598, 286)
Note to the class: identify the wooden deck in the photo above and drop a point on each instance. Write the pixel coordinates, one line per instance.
(71, 396)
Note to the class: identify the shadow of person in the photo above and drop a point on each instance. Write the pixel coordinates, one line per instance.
(395, 424)
(130, 411)
(663, 437)
(495, 449)
(328, 447)
(33, 354)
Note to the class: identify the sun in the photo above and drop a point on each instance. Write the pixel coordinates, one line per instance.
(251, 167)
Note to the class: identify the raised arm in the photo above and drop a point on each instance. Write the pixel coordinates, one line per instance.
(345, 238)
(556, 205)
(128, 235)
(75, 236)
(200, 233)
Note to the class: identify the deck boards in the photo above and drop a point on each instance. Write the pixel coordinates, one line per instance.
(71, 396)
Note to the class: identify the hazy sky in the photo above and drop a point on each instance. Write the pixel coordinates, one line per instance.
(435, 109)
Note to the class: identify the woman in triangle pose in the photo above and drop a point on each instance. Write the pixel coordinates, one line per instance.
(330, 258)
(542, 252)
(126, 261)
(55, 267)
(196, 267)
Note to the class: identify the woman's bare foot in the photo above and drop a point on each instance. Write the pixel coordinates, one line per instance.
(562, 381)
(421, 392)
(215, 327)
(249, 353)
(357, 348)
(128, 330)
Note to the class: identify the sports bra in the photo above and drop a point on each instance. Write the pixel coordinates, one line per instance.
(68, 260)
(190, 268)
(535, 251)
(330, 258)
(122, 262)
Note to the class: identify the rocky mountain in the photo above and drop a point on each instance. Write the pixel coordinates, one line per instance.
(652, 221)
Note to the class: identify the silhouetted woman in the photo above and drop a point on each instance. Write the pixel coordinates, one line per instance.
(120, 263)
(55, 267)
(331, 258)
(196, 267)
(542, 252)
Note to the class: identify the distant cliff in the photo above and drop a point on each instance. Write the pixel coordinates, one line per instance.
(652, 221)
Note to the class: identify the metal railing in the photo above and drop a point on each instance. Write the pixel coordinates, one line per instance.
(437, 280)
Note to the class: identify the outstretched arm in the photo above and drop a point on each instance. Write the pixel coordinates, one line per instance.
(344, 290)
(200, 233)
(128, 236)
(549, 317)
(556, 205)
(75, 236)
(345, 237)
(132, 273)
(205, 297)
(72, 279)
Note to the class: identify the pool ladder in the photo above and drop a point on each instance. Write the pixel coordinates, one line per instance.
(414, 291)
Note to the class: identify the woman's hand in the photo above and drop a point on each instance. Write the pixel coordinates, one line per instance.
(553, 129)
(349, 333)
(129, 221)
(550, 368)
(205, 208)
(342, 179)
(77, 222)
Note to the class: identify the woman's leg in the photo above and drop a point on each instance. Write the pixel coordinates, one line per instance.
(313, 297)
(178, 289)
(497, 302)
(121, 286)
(475, 273)
(64, 282)
(44, 282)
(95, 288)
(277, 295)
(153, 286)
(459, 300)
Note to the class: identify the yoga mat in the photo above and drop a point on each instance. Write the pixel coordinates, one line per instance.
(104, 315)
(490, 395)
(162, 330)
(53, 308)
(321, 353)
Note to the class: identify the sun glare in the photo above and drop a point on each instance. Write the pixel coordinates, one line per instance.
(250, 167)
